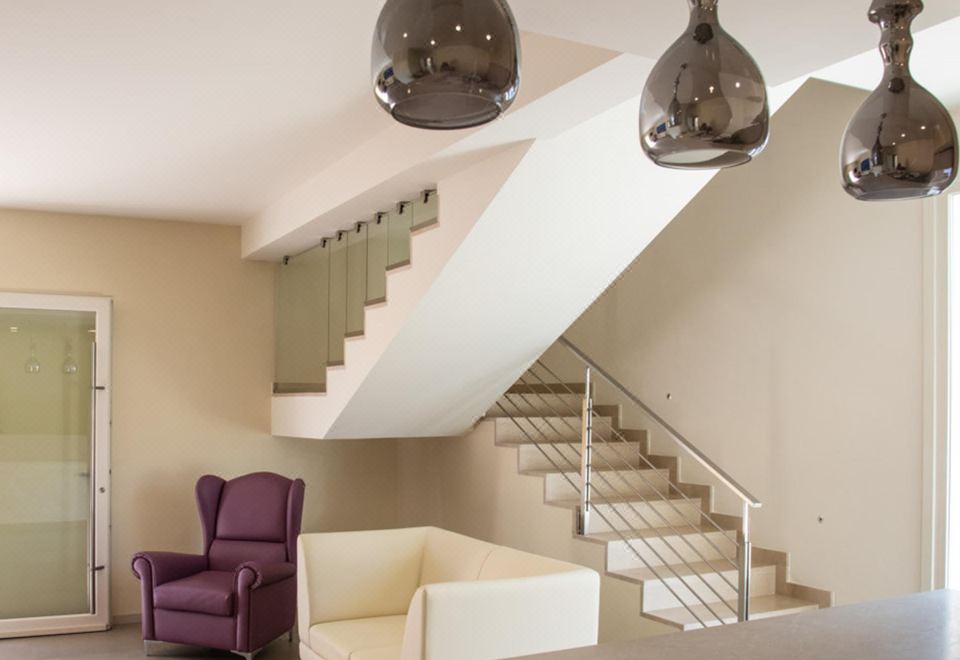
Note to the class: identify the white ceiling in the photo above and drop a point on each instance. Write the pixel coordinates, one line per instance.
(190, 109)
(212, 110)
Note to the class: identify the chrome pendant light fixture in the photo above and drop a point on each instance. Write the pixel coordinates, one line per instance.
(705, 103)
(446, 64)
(902, 143)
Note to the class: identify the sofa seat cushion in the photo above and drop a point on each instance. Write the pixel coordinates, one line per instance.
(376, 638)
(209, 592)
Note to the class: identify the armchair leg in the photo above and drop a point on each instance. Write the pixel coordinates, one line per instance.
(150, 647)
(247, 656)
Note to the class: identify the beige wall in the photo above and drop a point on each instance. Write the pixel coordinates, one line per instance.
(193, 355)
(785, 320)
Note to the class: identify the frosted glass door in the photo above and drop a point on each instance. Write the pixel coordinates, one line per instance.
(48, 463)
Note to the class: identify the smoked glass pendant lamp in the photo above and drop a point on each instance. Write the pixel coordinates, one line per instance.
(705, 103)
(902, 142)
(446, 64)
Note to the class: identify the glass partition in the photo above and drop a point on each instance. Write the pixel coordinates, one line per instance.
(301, 321)
(338, 298)
(398, 248)
(356, 279)
(322, 293)
(377, 259)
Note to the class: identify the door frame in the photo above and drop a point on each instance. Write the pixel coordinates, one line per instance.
(935, 514)
(99, 617)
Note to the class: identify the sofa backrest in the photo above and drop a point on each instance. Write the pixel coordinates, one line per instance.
(504, 563)
(355, 575)
(450, 557)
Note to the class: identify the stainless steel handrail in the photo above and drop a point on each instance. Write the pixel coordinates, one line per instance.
(677, 437)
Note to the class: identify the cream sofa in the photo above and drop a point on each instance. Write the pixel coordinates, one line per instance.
(429, 594)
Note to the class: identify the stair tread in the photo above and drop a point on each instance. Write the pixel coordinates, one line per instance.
(659, 532)
(542, 472)
(547, 388)
(643, 574)
(761, 607)
(569, 503)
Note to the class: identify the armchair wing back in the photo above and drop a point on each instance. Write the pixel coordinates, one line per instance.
(256, 517)
(240, 592)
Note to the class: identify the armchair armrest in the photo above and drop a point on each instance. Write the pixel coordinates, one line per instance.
(255, 574)
(503, 618)
(165, 567)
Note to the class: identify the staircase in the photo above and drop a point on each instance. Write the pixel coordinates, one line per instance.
(659, 532)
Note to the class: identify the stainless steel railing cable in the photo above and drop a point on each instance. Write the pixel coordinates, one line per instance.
(636, 492)
(666, 478)
(675, 487)
(606, 500)
(607, 521)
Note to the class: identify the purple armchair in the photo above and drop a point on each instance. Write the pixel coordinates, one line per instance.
(241, 593)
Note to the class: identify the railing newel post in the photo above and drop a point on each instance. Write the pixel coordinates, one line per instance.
(743, 592)
(586, 456)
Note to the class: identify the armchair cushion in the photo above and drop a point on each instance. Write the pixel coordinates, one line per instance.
(347, 640)
(168, 566)
(257, 574)
(209, 592)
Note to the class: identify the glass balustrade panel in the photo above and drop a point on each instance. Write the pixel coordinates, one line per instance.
(338, 297)
(301, 325)
(356, 279)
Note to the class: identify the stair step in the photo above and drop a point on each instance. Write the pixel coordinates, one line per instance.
(538, 403)
(707, 584)
(605, 456)
(605, 484)
(634, 512)
(761, 607)
(683, 543)
(541, 430)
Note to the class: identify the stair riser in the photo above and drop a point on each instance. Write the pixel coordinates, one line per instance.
(656, 596)
(625, 483)
(531, 458)
(673, 549)
(531, 405)
(632, 516)
(537, 429)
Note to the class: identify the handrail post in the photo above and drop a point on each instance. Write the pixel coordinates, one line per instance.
(743, 592)
(586, 456)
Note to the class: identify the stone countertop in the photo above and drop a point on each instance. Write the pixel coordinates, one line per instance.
(918, 627)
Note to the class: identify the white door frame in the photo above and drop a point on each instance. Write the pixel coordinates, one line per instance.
(99, 618)
(936, 391)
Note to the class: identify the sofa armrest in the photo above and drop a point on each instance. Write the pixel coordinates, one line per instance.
(167, 566)
(255, 574)
(503, 618)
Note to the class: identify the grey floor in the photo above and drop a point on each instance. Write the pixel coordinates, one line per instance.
(121, 643)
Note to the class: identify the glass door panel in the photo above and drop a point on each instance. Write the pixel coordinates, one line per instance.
(48, 468)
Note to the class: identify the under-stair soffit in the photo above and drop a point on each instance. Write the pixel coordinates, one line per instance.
(451, 360)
